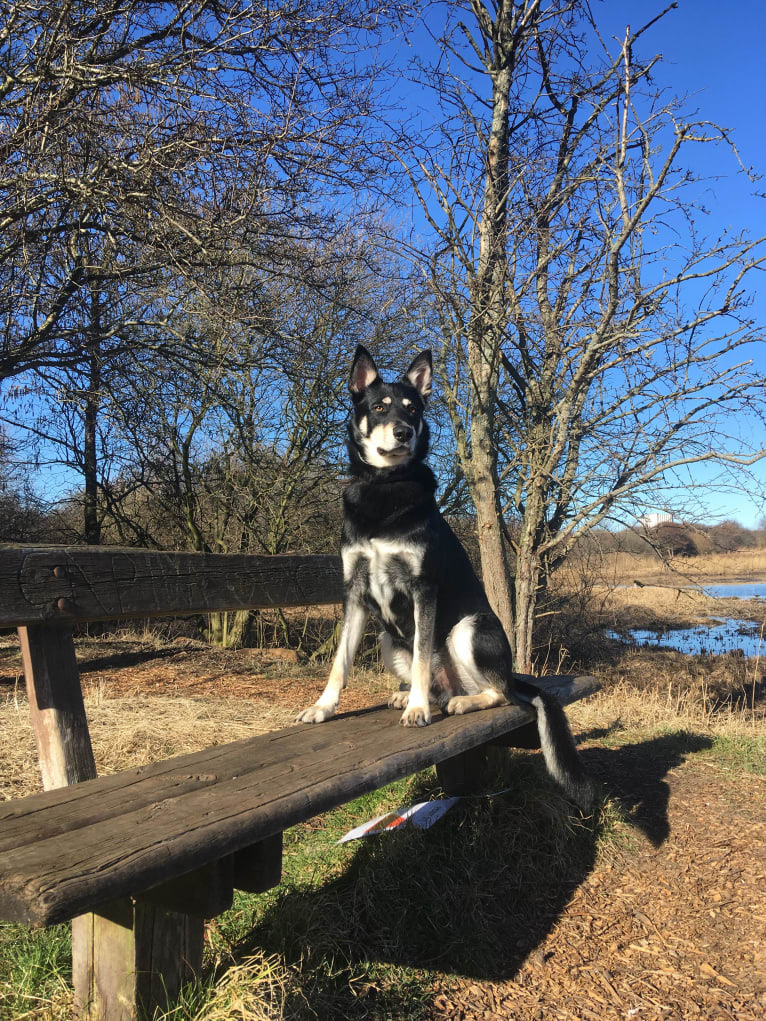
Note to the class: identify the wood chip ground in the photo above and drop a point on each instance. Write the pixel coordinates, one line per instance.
(674, 930)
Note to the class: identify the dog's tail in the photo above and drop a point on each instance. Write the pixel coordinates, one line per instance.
(558, 745)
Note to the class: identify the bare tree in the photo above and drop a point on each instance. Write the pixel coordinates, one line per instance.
(179, 135)
(594, 341)
(22, 514)
(155, 157)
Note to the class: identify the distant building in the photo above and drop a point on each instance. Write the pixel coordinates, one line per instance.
(655, 518)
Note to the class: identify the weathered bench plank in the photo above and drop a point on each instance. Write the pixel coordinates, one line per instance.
(80, 583)
(140, 828)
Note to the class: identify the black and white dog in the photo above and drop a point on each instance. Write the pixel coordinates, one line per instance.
(404, 564)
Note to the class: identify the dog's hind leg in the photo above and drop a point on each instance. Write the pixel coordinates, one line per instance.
(354, 622)
(487, 699)
(479, 653)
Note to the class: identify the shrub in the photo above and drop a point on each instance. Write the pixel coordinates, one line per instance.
(673, 540)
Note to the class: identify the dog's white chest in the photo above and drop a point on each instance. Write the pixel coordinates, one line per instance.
(390, 568)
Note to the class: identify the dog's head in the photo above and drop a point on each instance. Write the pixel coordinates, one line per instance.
(387, 428)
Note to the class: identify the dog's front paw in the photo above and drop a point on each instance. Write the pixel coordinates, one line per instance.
(314, 714)
(415, 716)
(458, 705)
(398, 700)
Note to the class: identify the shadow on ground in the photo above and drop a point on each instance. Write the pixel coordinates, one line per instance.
(473, 896)
(121, 659)
(634, 776)
(11, 670)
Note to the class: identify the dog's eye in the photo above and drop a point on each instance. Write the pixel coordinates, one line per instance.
(412, 410)
(380, 408)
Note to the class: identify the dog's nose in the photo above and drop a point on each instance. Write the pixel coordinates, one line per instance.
(403, 433)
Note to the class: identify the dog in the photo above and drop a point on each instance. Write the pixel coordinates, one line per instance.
(403, 564)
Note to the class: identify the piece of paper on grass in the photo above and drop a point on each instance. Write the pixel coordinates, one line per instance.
(422, 815)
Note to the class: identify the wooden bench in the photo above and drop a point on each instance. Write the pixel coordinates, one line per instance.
(139, 859)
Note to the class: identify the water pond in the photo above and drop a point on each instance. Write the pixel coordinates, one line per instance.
(728, 636)
(737, 590)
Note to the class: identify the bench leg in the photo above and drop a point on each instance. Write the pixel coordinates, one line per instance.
(463, 773)
(526, 736)
(55, 705)
(131, 957)
(65, 756)
(259, 868)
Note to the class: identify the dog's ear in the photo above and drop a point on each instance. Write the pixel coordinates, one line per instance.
(420, 374)
(364, 371)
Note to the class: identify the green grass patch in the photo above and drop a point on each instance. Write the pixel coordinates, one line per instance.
(739, 753)
(35, 972)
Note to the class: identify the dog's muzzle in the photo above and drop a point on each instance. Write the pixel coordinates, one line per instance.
(402, 450)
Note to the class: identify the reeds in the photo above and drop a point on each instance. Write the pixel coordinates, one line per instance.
(623, 568)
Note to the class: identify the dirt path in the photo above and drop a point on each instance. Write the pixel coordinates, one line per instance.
(675, 928)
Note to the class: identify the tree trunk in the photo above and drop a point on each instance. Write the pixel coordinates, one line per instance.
(488, 316)
(492, 549)
(91, 522)
(228, 630)
(239, 627)
(527, 578)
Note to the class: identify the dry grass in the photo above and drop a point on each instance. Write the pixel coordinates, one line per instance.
(624, 706)
(130, 731)
(642, 689)
(670, 604)
(254, 989)
(333, 925)
(622, 568)
(651, 691)
(666, 606)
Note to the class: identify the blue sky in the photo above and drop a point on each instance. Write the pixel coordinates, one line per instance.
(714, 53)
